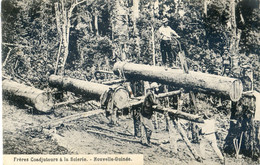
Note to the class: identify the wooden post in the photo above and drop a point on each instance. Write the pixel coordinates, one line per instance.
(172, 135)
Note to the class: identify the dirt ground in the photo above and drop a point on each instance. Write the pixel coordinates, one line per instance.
(93, 135)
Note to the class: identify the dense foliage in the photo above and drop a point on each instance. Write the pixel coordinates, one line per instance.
(101, 31)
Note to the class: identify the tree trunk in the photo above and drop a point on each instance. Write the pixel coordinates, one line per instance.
(66, 14)
(194, 80)
(57, 16)
(135, 9)
(34, 97)
(205, 3)
(135, 15)
(242, 124)
(96, 23)
(87, 89)
(154, 62)
(90, 90)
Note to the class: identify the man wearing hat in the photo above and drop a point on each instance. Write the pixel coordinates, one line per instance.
(147, 112)
(166, 33)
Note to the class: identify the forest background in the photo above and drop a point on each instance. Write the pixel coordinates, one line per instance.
(77, 37)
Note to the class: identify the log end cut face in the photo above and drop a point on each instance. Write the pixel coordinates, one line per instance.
(236, 90)
(24, 94)
(44, 102)
(121, 98)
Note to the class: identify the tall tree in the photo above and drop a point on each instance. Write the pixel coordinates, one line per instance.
(65, 9)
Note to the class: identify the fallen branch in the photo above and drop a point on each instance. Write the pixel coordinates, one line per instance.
(7, 57)
(16, 45)
(104, 71)
(65, 103)
(70, 118)
(112, 136)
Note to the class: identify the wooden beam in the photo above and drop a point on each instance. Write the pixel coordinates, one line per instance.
(180, 114)
(167, 94)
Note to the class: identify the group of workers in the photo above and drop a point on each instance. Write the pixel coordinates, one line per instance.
(170, 47)
(142, 116)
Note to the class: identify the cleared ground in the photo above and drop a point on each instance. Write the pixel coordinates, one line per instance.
(93, 135)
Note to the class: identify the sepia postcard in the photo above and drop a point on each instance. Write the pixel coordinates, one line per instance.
(123, 82)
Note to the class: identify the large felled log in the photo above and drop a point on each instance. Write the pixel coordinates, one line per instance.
(21, 93)
(90, 90)
(85, 88)
(193, 80)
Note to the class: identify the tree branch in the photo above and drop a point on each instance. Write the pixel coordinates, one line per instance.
(8, 54)
(15, 45)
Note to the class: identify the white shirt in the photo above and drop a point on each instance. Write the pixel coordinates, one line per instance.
(208, 126)
(166, 32)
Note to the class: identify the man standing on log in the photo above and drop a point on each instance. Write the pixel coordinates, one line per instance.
(169, 44)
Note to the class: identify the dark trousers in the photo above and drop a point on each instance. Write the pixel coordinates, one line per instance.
(166, 50)
(137, 122)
